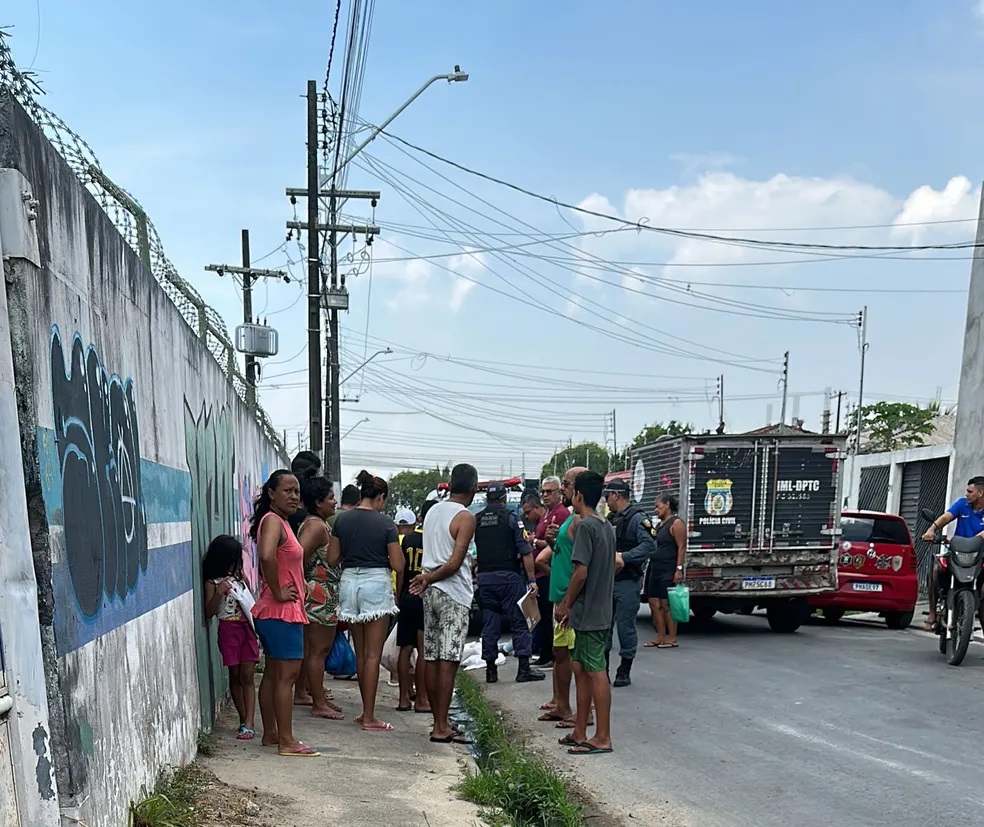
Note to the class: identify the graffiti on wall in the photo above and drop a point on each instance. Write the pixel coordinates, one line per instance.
(248, 489)
(96, 434)
(210, 452)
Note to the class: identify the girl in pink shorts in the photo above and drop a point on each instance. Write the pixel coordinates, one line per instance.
(222, 575)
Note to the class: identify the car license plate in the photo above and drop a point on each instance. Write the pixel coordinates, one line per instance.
(867, 587)
(758, 583)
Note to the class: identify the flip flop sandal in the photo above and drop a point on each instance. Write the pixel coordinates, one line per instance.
(302, 752)
(546, 706)
(651, 645)
(589, 749)
(453, 738)
(568, 723)
(245, 734)
(668, 646)
(550, 716)
(404, 708)
(380, 727)
(568, 741)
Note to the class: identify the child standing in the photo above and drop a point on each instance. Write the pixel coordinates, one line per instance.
(222, 573)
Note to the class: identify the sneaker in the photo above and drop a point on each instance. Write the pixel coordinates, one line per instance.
(622, 677)
(491, 673)
(543, 663)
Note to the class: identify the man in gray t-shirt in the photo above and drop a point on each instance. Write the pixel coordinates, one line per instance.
(594, 548)
(587, 608)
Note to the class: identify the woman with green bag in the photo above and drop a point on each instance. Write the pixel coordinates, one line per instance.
(665, 570)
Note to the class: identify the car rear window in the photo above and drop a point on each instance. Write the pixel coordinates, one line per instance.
(874, 530)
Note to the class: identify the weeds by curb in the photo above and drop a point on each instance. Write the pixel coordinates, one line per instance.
(513, 787)
(173, 801)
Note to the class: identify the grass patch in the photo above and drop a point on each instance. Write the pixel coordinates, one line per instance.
(206, 743)
(173, 801)
(512, 786)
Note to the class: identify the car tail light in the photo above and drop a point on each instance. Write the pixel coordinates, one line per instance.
(913, 559)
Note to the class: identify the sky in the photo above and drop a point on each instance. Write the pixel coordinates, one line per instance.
(516, 324)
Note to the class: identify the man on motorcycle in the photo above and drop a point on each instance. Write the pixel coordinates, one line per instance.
(968, 511)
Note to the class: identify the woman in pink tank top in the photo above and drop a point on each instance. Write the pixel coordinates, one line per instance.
(279, 614)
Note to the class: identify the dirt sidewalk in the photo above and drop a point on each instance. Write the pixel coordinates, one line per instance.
(396, 778)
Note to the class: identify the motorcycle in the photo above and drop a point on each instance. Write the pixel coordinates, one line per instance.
(958, 596)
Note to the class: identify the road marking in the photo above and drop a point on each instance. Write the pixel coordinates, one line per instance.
(817, 741)
(929, 756)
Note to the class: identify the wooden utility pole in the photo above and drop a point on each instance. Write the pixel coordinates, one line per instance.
(314, 274)
(785, 387)
(324, 431)
(720, 427)
(248, 275)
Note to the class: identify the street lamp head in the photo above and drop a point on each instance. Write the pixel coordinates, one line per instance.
(457, 76)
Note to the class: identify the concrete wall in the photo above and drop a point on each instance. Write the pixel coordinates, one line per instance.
(136, 452)
(968, 460)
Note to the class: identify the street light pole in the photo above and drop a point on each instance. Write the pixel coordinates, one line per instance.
(356, 425)
(457, 76)
(334, 393)
(360, 367)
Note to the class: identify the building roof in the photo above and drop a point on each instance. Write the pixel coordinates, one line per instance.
(779, 429)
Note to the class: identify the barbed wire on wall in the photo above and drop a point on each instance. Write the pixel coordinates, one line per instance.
(133, 224)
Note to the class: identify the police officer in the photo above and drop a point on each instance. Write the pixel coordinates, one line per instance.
(634, 545)
(505, 575)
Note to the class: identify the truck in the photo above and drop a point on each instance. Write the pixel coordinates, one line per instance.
(762, 513)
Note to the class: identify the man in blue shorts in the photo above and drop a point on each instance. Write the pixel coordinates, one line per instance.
(968, 512)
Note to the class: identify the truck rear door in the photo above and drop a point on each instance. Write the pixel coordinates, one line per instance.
(800, 505)
(724, 483)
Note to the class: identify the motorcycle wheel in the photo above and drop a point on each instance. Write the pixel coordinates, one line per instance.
(963, 627)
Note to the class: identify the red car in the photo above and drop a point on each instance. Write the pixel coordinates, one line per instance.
(877, 570)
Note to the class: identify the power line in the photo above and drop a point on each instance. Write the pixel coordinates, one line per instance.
(642, 226)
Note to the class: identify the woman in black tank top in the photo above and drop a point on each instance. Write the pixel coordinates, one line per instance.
(665, 569)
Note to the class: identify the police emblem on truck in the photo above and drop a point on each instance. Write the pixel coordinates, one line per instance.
(718, 501)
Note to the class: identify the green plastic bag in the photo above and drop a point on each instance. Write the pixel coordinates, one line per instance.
(680, 603)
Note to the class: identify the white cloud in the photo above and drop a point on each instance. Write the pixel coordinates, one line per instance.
(471, 263)
(783, 207)
(956, 201)
(979, 9)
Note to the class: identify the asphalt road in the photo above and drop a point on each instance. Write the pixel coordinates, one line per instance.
(845, 725)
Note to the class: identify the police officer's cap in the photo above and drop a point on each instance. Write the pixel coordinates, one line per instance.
(496, 492)
(618, 487)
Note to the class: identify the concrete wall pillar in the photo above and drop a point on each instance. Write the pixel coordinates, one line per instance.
(27, 722)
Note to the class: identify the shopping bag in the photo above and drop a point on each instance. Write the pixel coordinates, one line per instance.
(341, 658)
(391, 653)
(679, 597)
(244, 597)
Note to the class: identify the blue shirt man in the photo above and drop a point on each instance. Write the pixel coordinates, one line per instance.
(968, 511)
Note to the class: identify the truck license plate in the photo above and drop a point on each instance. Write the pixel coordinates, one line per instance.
(867, 587)
(758, 583)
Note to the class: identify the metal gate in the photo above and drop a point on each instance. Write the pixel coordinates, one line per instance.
(924, 485)
(8, 800)
(873, 488)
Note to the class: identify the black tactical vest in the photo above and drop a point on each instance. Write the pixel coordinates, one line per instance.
(495, 541)
(626, 542)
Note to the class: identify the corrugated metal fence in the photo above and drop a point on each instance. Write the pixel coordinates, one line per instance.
(923, 485)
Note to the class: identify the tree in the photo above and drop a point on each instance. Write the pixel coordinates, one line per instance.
(889, 426)
(588, 454)
(408, 489)
(651, 433)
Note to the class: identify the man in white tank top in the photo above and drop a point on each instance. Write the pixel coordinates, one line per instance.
(447, 589)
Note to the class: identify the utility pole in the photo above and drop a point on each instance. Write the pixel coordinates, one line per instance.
(248, 275)
(314, 274)
(825, 417)
(863, 323)
(837, 422)
(325, 429)
(720, 427)
(785, 388)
